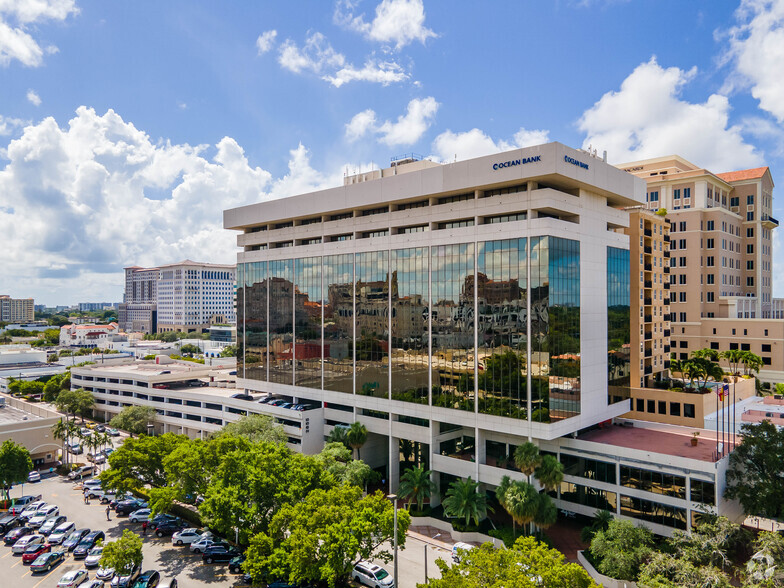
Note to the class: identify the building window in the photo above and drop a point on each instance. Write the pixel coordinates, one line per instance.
(682, 317)
(653, 196)
(709, 225)
(640, 405)
(750, 264)
(750, 282)
(745, 346)
(675, 409)
(714, 345)
(682, 226)
(688, 411)
(749, 199)
(703, 492)
(687, 192)
(750, 215)
(651, 406)
(662, 407)
(735, 201)
(710, 297)
(766, 361)
(749, 232)
(750, 248)
(711, 278)
(456, 224)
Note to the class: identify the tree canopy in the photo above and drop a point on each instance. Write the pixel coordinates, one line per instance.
(15, 464)
(464, 501)
(621, 549)
(75, 402)
(140, 460)
(529, 564)
(134, 419)
(123, 554)
(255, 427)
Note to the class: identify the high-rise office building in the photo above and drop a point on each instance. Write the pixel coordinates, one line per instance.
(460, 310)
(138, 311)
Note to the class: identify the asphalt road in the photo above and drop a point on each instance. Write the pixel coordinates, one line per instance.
(160, 554)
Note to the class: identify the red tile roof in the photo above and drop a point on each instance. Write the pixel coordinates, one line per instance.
(744, 174)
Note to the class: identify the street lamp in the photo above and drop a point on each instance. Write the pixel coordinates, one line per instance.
(393, 497)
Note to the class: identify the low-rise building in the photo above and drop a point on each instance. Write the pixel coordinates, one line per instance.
(86, 335)
(30, 425)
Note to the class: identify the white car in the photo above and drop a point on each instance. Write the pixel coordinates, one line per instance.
(93, 557)
(457, 548)
(139, 516)
(72, 579)
(94, 584)
(31, 509)
(61, 532)
(27, 541)
(370, 574)
(105, 574)
(94, 491)
(33, 476)
(51, 524)
(200, 545)
(110, 495)
(50, 510)
(187, 536)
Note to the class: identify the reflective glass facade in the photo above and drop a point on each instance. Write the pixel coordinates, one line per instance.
(555, 328)
(254, 310)
(618, 324)
(338, 272)
(372, 319)
(281, 321)
(503, 342)
(308, 306)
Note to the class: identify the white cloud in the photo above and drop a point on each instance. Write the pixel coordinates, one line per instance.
(399, 22)
(449, 146)
(757, 50)
(647, 118)
(317, 56)
(8, 125)
(266, 41)
(33, 98)
(79, 202)
(408, 129)
(17, 17)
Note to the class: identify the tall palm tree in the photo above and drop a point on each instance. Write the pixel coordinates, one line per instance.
(751, 362)
(415, 484)
(519, 499)
(527, 458)
(339, 434)
(734, 357)
(464, 501)
(356, 436)
(62, 431)
(550, 473)
(546, 512)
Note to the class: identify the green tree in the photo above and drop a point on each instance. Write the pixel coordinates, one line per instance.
(527, 458)
(416, 485)
(665, 570)
(601, 520)
(546, 512)
(550, 473)
(356, 436)
(140, 461)
(255, 427)
(134, 419)
(338, 463)
(15, 465)
(123, 554)
(321, 538)
(62, 431)
(75, 402)
(229, 351)
(52, 388)
(519, 499)
(464, 501)
(751, 362)
(190, 348)
(766, 566)
(529, 564)
(756, 470)
(734, 357)
(339, 434)
(621, 549)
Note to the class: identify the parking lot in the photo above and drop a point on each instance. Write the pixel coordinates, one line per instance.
(159, 554)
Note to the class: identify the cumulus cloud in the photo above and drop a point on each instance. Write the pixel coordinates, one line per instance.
(77, 203)
(407, 130)
(18, 18)
(317, 56)
(8, 125)
(33, 98)
(266, 41)
(647, 118)
(449, 146)
(397, 22)
(757, 50)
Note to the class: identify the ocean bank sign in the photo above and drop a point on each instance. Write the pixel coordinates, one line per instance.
(573, 161)
(514, 162)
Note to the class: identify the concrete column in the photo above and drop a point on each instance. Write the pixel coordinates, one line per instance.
(480, 454)
(394, 463)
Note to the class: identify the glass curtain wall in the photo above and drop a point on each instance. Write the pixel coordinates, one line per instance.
(410, 329)
(501, 304)
(256, 324)
(618, 324)
(281, 317)
(372, 323)
(338, 277)
(452, 361)
(555, 328)
(241, 320)
(308, 305)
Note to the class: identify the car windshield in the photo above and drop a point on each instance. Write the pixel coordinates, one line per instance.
(33, 548)
(74, 536)
(96, 551)
(381, 574)
(87, 543)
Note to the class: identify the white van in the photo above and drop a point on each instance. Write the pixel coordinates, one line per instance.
(460, 546)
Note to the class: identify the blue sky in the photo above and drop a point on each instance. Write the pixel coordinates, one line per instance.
(126, 128)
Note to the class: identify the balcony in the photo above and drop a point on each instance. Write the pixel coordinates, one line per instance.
(666, 285)
(648, 318)
(666, 332)
(648, 249)
(666, 349)
(648, 233)
(648, 284)
(648, 267)
(666, 269)
(648, 301)
(648, 335)
(769, 222)
(648, 352)
(666, 301)
(648, 370)
(666, 364)
(666, 238)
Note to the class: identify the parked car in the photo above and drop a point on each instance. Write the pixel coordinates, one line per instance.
(21, 503)
(126, 580)
(99, 459)
(93, 558)
(161, 518)
(372, 575)
(61, 533)
(218, 553)
(101, 428)
(32, 509)
(17, 533)
(168, 583)
(33, 476)
(202, 544)
(72, 579)
(139, 516)
(51, 524)
(43, 514)
(8, 522)
(113, 432)
(126, 507)
(87, 543)
(93, 584)
(31, 553)
(74, 539)
(76, 449)
(94, 492)
(22, 544)
(241, 396)
(169, 527)
(82, 472)
(148, 579)
(105, 574)
(47, 561)
(457, 548)
(235, 565)
(186, 537)
(110, 496)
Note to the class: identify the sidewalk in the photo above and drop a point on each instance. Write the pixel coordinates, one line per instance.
(435, 537)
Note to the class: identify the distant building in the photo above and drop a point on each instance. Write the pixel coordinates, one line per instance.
(93, 306)
(86, 335)
(138, 311)
(223, 333)
(16, 310)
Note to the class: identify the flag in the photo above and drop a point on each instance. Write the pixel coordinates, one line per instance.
(723, 391)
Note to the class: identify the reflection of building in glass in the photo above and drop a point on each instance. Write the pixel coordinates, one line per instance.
(461, 320)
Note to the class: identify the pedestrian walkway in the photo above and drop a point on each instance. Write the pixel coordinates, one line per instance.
(435, 537)
(565, 535)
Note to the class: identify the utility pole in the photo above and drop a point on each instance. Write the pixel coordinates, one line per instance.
(393, 497)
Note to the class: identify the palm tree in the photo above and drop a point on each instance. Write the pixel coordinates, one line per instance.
(546, 512)
(676, 365)
(519, 499)
(550, 473)
(62, 430)
(751, 362)
(356, 436)
(734, 357)
(339, 434)
(464, 501)
(527, 458)
(415, 484)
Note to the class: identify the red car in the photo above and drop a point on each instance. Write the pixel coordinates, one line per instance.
(32, 552)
